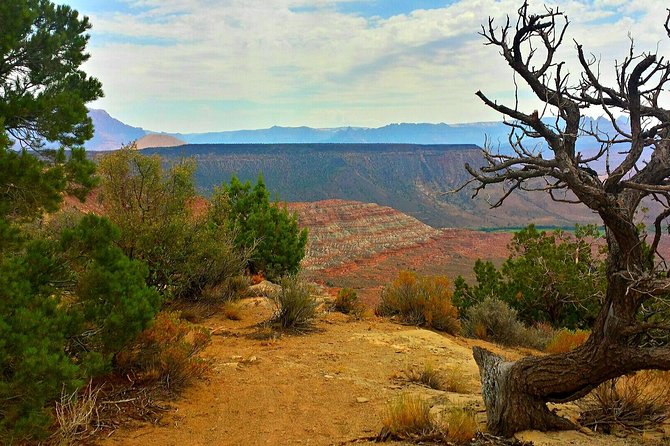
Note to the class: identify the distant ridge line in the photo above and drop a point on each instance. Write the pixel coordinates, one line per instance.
(309, 147)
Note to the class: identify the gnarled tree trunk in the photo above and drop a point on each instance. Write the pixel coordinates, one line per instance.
(516, 393)
(509, 407)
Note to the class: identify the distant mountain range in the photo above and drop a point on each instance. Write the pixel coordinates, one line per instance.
(110, 134)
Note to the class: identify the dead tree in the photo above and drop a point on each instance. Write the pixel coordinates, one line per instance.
(622, 339)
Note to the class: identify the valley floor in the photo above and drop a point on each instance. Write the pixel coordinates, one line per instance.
(327, 387)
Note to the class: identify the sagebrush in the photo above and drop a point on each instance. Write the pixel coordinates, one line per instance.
(493, 320)
(295, 305)
(187, 254)
(347, 302)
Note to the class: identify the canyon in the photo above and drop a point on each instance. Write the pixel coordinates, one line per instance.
(364, 245)
(419, 180)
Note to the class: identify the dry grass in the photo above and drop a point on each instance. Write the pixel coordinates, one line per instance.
(566, 340)
(635, 402)
(426, 376)
(232, 310)
(456, 380)
(124, 401)
(408, 417)
(453, 379)
(77, 416)
(167, 352)
(460, 425)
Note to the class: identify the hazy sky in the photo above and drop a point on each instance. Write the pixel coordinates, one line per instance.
(207, 65)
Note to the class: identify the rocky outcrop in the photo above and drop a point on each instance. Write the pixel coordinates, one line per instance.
(343, 231)
(158, 140)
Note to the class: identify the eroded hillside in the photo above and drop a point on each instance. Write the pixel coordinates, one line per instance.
(417, 180)
(364, 245)
(344, 231)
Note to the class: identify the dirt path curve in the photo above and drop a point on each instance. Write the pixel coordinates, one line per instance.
(327, 387)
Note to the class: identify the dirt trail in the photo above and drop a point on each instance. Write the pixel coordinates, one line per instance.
(327, 387)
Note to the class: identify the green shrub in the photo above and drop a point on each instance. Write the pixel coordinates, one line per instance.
(68, 304)
(185, 253)
(295, 305)
(269, 230)
(33, 334)
(490, 283)
(113, 299)
(420, 300)
(493, 320)
(549, 277)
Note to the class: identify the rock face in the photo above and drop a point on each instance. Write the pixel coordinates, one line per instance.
(417, 180)
(364, 245)
(342, 231)
(158, 140)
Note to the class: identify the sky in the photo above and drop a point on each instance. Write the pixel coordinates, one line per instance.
(214, 65)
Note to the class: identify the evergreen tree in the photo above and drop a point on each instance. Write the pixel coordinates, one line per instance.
(67, 302)
(548, 277)
(273, 233)
(43, 96)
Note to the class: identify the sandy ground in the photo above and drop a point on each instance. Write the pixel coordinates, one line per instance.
(327, 387)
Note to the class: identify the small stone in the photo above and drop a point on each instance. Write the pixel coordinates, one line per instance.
(236, 357)
(328, 376)
(360, 399)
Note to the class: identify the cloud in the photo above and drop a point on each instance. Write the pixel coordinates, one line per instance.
(256, 63)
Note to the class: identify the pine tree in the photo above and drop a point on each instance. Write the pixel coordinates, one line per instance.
(272, 231)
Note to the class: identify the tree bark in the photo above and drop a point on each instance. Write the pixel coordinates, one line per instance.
(509, 408)
(515, 393)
